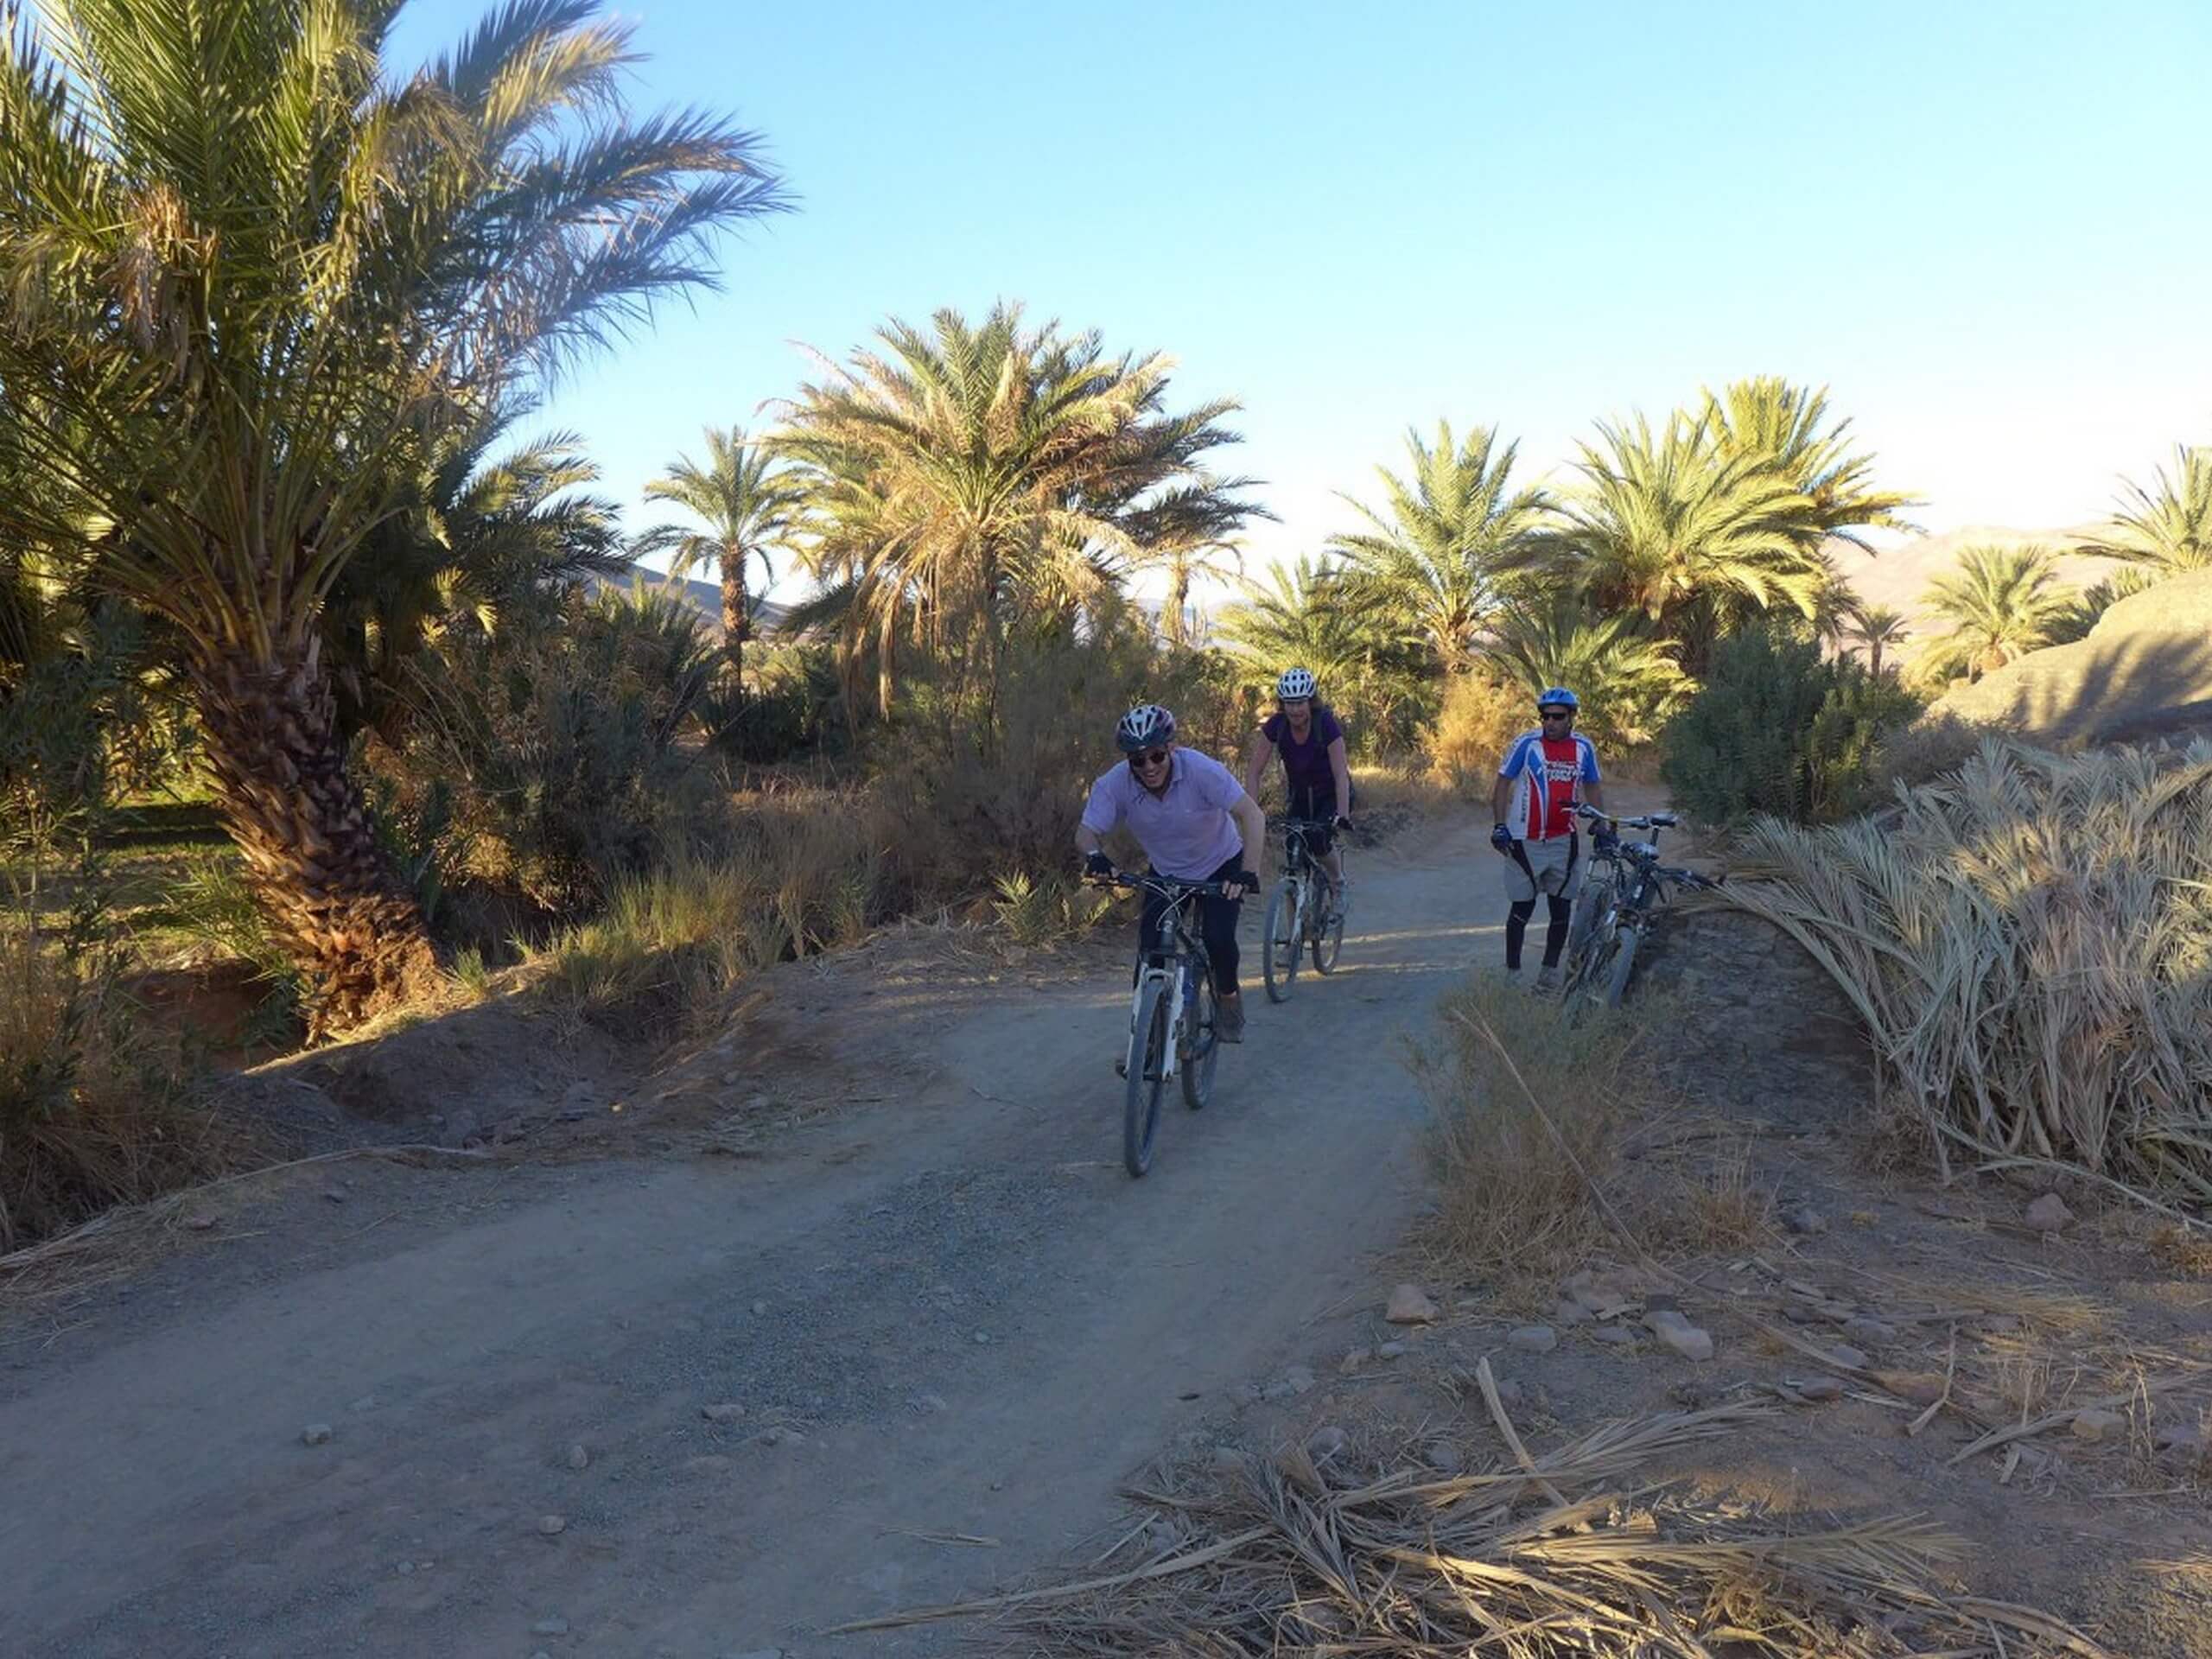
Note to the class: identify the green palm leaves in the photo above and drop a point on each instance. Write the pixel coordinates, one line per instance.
(1450, 543)
(2167, 527)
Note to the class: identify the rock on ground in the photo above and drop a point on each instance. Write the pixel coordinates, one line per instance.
(1535, 1339)
(2049, 1214)
(1678, 1334)
(1411, 1305)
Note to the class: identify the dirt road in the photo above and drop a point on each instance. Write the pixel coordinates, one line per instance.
(948, 1313)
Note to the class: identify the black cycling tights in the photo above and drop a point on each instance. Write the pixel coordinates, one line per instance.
(1216, 926)
(1516, 929)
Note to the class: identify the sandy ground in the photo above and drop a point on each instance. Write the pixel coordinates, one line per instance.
(948, 1315)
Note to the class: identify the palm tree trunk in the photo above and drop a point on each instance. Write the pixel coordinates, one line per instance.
(737, 620)
(304, 831)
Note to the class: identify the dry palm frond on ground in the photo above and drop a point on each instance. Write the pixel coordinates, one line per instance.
(2031, 946)
(1374, 1550)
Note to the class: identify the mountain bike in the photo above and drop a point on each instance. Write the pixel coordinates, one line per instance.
(1621, 896)
(1305, 911)
(1170, 1017)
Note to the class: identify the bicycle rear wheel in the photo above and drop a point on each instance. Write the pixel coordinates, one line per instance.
(1280, 946)
(1147, 1077)
(1201, 1046)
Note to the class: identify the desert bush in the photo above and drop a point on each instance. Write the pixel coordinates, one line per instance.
(975, 802)
(545, 760)
(1934, 746)
(1480, 717)
(1047, 910)
(1778, 729)
(211, 906)
(790, 705)
(95, 1109)
(2030, 947)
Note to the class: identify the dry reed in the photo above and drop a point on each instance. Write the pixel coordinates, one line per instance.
(1374, 1550)
(2029, 944)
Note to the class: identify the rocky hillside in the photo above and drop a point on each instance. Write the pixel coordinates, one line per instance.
(2145, 669)
(1897, 576)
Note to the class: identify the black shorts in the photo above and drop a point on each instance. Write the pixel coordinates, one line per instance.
(1318, 807)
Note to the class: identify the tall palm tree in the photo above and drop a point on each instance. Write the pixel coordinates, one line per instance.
(2166, 528)
(970, 475)
(1450, 543)
(1767, 418)
(1694, 539)
(253, 274)
(1628, 680)
(2000, 603)
(1877, 628)
(750, 504)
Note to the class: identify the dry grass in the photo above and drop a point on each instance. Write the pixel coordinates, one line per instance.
(95, 1109)
(2030, 948)
(1374, 1550)
(803, 873)
(1520, 1162)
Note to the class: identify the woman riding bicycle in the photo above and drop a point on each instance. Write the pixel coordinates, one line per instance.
(1195, 825)
(1317, 776)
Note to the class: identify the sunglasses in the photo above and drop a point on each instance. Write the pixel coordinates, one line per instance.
(1554, 713)
(1149, 758)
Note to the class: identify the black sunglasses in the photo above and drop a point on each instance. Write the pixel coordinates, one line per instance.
(1554, 713)
(1149, 758)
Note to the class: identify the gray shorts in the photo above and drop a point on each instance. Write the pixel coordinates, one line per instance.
(1553, 864)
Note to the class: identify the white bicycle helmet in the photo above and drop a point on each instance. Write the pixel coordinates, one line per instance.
(1295, 686)
(1144, 727)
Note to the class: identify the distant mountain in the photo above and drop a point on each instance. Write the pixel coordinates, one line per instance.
(704, 597)
(1898, 576)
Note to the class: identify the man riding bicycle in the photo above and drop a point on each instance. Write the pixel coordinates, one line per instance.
(1544, 775)
(1316, 777)
(1195, 823)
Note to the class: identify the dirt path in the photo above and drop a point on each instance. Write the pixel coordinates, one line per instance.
(951, 1314)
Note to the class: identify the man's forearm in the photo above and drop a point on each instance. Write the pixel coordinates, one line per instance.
(1594, 795)
(1497, 801)
(1086, 841)
(1252, 825)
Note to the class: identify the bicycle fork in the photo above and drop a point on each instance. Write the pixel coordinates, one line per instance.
(1181, 991)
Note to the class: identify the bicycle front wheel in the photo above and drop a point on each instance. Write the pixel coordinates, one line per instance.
(1329, 934)
(1622, 964)
(1278, 955)
(1147, 1076)
(1201, 1047)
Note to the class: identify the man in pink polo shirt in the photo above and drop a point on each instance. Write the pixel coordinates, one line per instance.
(1195, 823)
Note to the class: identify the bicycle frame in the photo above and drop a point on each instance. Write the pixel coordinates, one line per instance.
(1170, 958)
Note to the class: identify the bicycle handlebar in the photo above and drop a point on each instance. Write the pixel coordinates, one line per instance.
(1656, 821)
(1168, 886)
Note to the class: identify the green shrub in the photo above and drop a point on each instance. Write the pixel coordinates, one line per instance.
(544, 760)
(1776, 729)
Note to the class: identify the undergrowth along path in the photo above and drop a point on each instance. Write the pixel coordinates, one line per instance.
(952, 1323)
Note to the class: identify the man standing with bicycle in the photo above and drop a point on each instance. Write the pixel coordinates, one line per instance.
(1195, 823)
(1544, 775)
(1317, 776)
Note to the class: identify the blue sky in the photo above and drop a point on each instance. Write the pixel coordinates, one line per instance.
(1981, 224)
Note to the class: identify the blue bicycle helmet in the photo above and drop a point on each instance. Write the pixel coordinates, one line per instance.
(1557, 697)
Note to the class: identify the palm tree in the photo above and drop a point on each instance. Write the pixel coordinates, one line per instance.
(750, 505)
(2166, 529)
(969, 476)
(1628, 680)
(1767, 418)
(253, 274)
(1693, 538)
(1876, 627)
(1452, 540)
(2001, 603)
